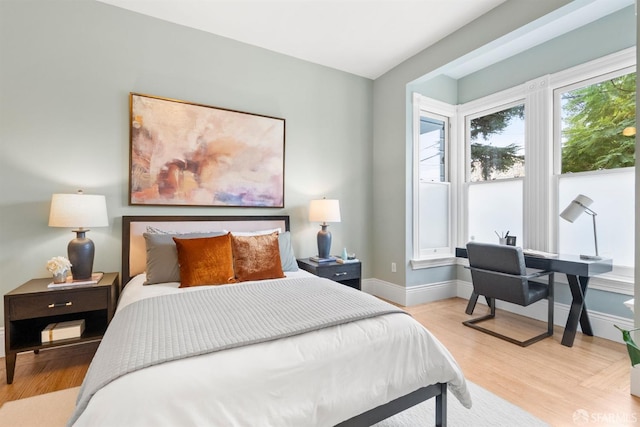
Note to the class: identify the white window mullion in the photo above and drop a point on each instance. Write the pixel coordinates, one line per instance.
(538, 166)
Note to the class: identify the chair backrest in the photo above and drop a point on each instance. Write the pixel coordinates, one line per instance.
(498, 271)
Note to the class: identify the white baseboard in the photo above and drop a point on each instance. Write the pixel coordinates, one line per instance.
(410, 296)
(601, 323)
(2, 353)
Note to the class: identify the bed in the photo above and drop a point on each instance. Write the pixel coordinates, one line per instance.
(322, 372)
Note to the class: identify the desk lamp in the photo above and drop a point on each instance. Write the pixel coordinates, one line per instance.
(79, 211)
(324, 211)
(577, 206)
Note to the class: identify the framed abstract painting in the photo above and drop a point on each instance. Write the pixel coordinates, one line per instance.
(187, 154)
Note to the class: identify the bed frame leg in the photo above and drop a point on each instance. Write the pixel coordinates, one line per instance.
(441, 407)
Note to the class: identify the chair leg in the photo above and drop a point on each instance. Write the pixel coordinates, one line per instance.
(471, 305)
(491, 302)
(473, 299)
(473, 323)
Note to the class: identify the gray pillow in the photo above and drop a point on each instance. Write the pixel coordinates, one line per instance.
(162, 255)
(287, 256)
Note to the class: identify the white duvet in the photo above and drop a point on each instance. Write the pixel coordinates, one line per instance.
(316, 379)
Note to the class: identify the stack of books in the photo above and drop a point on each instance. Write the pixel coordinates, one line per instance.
(321, 260)
(95, 278)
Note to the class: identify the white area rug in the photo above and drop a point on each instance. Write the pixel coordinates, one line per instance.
(54, 409)
(488, 410)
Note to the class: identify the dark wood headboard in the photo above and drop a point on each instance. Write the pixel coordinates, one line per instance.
(133, 244)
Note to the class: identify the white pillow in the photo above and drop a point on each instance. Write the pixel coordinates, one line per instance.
(256, 233)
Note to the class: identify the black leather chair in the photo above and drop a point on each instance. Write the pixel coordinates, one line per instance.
(498, 272)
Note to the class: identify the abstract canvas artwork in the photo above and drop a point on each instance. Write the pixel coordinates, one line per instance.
(195, 155)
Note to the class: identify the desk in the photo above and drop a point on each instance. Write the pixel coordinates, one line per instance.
(578, 272)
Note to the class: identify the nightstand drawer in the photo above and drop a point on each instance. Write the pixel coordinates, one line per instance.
(340, 271)
(347, 274)
(55, 303)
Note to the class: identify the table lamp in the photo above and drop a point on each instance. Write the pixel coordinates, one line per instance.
(577, 206)
(79, 211)
(324, 210)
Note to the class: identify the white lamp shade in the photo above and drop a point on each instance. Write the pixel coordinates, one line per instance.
(576, 208)
(324, 210)
(78, 211)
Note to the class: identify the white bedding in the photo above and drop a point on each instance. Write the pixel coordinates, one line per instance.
(316, 379)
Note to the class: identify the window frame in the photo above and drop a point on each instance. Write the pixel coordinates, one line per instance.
(437, 109)
(522, 94)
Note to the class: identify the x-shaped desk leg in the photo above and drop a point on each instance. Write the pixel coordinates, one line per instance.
(578, 311)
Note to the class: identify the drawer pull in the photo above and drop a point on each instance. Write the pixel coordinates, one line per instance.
(61, 304)
(343, 273)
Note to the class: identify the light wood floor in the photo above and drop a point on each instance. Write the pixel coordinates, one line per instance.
(547, 379)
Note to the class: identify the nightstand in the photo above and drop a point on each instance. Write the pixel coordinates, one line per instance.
(348, 274)
(29, 308)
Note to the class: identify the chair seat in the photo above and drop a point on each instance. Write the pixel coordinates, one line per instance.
(537, 291)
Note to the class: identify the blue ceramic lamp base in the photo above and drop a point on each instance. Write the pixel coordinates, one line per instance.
(324, 242)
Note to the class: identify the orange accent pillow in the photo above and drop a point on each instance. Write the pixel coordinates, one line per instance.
(205, 261)
(256, 257)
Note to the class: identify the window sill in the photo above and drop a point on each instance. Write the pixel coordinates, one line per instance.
(436, 261)
(612, 282)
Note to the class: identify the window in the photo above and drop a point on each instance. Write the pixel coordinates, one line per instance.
(495, 171)
(598, 123)
(497, 144)
(596, 156)
(433, 213)
(431, 148)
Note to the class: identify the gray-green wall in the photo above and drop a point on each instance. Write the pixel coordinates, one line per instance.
(66, 70)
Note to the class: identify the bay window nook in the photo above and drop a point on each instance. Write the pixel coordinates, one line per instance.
(511, 161)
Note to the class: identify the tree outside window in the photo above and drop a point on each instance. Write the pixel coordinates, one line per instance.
(497, 145)
(598, 125)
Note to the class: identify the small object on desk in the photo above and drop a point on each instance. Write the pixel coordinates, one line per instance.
(321, 260)
(95, 278)
(62, 331)
(591, 257)
(511, 240)
(541, 254)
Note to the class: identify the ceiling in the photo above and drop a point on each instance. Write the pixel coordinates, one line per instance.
(362, 37)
